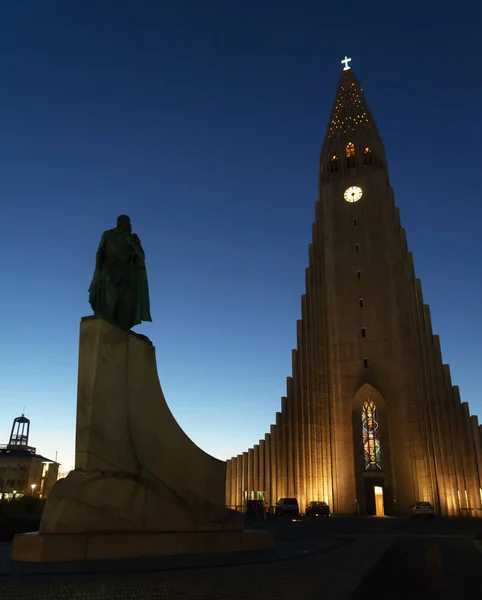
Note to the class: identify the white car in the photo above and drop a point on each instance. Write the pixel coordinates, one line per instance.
(423, 509)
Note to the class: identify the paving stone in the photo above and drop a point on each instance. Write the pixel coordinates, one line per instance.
(330, 575)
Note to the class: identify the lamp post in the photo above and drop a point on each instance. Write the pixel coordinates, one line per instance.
(33, 486)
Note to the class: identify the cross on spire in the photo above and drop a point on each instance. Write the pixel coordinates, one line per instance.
(345, 62)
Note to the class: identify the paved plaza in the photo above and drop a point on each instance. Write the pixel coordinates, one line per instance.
(336, 558)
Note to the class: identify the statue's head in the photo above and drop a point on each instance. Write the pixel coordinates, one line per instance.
(124, 223)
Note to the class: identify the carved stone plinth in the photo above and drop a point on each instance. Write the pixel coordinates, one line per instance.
(136, 471)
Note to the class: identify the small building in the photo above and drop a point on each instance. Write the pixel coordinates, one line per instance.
(22, 470)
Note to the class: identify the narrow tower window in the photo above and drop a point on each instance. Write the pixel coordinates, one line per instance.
(367, 156)
(361, 302)
(358, 274)
(355, 222)
(363, 332)
(357, 248)
(334, 164)
(350, 149)
(350, 155)
(371, 439)
(365, 363)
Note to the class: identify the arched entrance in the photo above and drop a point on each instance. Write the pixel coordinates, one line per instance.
(371, 443)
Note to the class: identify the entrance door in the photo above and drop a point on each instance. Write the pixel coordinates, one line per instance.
(379, 508)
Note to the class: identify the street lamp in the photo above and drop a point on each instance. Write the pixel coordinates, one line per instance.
(33, 486)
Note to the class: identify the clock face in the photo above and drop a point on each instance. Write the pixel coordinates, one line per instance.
(353, 194)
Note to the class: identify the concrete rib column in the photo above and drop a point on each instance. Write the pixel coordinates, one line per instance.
(267, 469)
(315, 312)
(467, 472)
(250, 482)
(307, 354)
(474, 422)
(256, 487)
(456, 434)
(447, 437)
(434, 431)
(416, 393)
(284, 447)
(290, 453)
(296, 425)
(472, 479)
(418, 442)
(244, 483)
(233, 482)
(239, 482)
(439, 438)
(416, 445)
(273, 465)
(301, 391)
(324, 392)
(436, 440)
(279, 457)
(261, 472)
(229, 478)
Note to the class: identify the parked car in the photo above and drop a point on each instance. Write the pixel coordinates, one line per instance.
(317, 509)
(287, 506)
(422, 509)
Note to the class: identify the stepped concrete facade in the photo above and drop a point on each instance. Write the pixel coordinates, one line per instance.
(371, 422)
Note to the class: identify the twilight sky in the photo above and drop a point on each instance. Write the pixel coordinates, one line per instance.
(203, 120)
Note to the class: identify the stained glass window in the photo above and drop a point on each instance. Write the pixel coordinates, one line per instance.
(371, 439)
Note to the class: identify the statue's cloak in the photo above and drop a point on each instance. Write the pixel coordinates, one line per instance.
(119, 291)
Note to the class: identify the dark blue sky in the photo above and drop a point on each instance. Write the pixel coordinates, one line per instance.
(203, 120)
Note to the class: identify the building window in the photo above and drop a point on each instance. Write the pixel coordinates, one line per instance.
(363, 332)
(358, 274)
(355, 222)
(334, 164)
(361, 302)
(367, 156)
(350, 149)
(371, 439)
(10, 482)
(365, 363)
(357, 248)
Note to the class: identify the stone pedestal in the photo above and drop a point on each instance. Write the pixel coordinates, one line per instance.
(137, 475)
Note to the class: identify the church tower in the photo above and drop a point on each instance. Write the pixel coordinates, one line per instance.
(370, 423)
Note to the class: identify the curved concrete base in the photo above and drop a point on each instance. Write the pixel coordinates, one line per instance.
(136, 471)
(34, 547)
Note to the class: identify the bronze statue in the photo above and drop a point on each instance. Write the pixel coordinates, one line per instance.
(119, 292)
